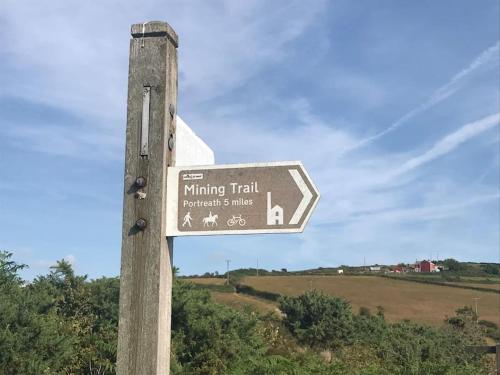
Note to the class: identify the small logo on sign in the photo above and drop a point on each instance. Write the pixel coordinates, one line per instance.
(192, 176)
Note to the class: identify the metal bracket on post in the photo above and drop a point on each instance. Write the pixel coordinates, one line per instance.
(146, 100)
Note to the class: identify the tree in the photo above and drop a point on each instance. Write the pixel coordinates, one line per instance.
(453, 265)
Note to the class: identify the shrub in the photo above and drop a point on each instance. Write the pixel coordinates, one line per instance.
(317, 319)
(209, 338)
(364, 311)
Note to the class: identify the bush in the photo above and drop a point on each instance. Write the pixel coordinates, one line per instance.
(209, 338)
(317, 319)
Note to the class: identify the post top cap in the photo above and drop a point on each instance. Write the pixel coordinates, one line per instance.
(155, 28)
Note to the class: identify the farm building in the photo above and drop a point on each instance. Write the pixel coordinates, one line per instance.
(428, 266)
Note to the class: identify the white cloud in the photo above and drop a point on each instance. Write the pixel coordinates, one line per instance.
(237, 39)
(71, 63)
(67, 62)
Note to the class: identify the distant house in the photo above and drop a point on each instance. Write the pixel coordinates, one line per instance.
(399, 269)
(428, 266)
(375, 269)
(414, 268)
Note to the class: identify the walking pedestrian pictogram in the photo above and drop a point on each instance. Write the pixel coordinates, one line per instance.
(187, 220)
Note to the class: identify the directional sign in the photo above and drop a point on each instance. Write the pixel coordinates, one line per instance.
(239, 199)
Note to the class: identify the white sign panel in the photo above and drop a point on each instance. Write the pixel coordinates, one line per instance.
(190, 149)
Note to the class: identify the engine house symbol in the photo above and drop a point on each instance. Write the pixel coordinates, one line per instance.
(274, 214)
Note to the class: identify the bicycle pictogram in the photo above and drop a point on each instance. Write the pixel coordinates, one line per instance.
(236, 220)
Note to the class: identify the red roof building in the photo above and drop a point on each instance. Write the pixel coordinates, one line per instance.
(427, 266)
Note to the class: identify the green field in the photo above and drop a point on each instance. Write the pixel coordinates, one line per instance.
(424, 303)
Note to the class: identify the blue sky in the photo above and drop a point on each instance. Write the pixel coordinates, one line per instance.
(393, 107)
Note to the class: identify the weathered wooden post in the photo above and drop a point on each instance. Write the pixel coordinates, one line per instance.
(146, 260)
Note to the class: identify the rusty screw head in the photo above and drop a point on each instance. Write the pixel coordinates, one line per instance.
(140, 182)
(141, 224)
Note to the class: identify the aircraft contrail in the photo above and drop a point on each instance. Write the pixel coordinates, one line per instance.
(437, 96)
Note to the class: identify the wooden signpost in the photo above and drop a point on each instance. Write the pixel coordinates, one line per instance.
(146, 262)
(162, 200)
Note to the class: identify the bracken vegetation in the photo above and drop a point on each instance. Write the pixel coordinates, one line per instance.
(62, 323)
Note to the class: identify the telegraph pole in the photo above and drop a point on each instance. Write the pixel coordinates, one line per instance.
(227, 272)
(146, 260)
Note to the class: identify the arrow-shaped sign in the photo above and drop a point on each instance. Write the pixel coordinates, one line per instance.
(239, 199)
